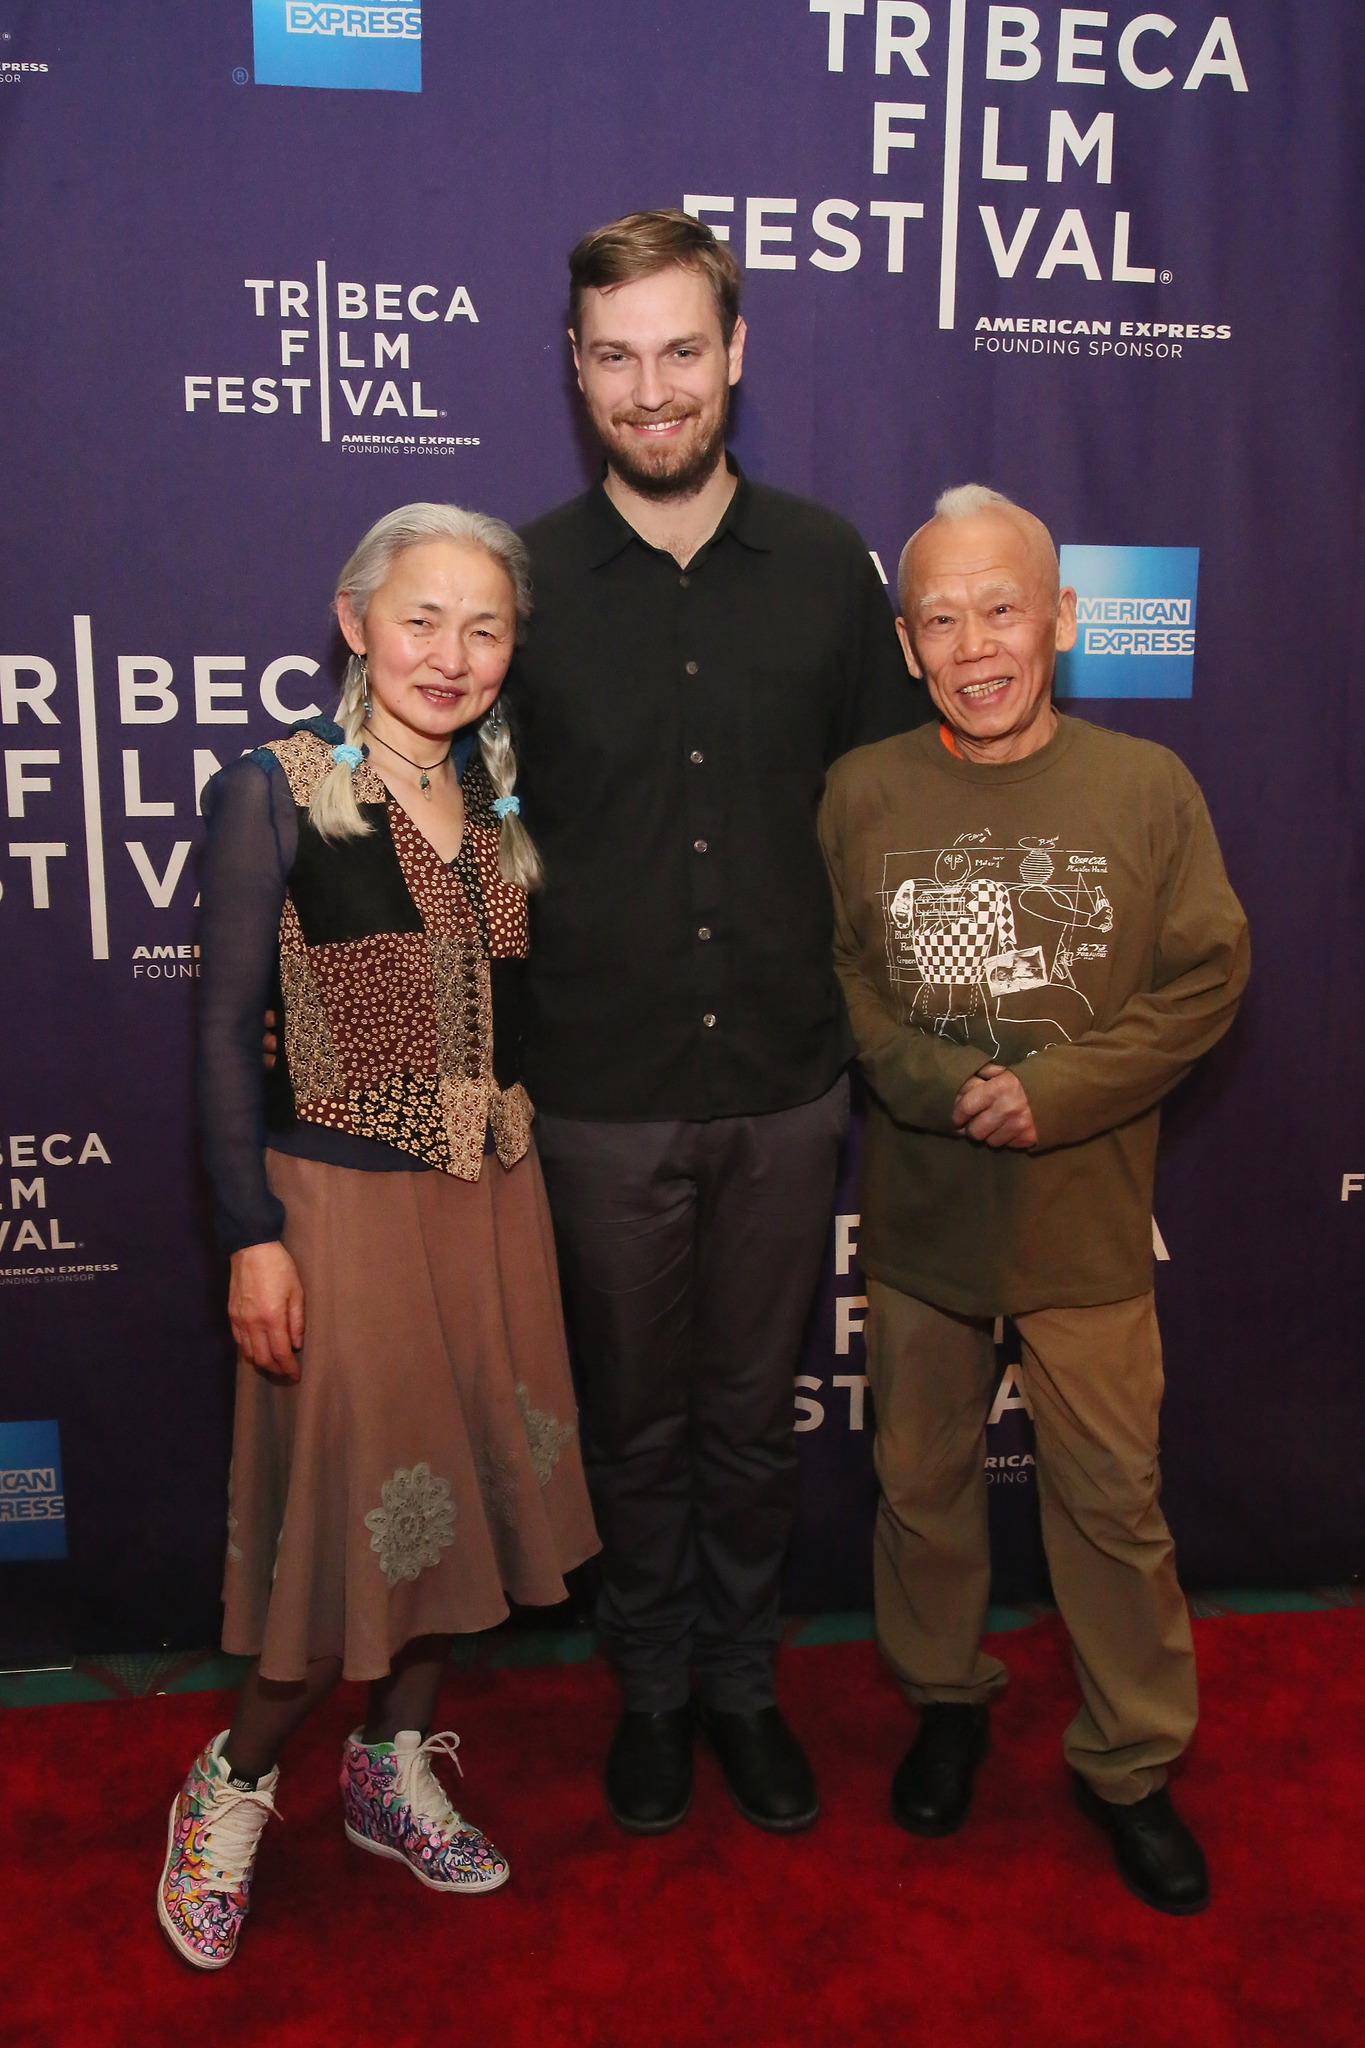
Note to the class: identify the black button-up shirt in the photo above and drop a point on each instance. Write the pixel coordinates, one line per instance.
(673, 731)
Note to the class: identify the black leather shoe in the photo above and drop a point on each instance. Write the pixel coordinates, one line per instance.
(649, 1771)
(931, 1793)
(1157, 1856)
(765, 1769)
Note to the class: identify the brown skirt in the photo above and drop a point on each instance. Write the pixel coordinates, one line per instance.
(427, 1457)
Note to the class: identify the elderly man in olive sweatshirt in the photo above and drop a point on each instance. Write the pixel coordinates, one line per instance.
(1037, 940)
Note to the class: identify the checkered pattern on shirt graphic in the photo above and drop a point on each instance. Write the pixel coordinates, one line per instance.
(956, 930)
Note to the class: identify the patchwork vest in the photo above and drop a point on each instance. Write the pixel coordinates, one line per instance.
(398, 977)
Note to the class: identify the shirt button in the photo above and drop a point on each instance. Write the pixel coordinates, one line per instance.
(703, 931)
(708, 1020)
(691, 668)
(699, 846)
(696, 757)
(683, 582)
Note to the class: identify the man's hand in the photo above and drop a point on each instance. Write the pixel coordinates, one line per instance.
(265, 1308)
(993, 1108)
(269, 1046)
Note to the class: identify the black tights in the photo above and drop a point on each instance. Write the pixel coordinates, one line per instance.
(268, 1712)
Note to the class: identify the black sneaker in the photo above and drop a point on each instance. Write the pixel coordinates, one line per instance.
(649, 1771)
(1157, 1856)
(931, 1793)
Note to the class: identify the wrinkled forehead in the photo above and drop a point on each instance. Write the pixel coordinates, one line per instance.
(997, 554)
(434, 575)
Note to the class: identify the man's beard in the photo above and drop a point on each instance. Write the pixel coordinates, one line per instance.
(682, 480)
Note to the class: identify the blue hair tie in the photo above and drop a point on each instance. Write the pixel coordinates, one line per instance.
(507, 806)
(349, 757)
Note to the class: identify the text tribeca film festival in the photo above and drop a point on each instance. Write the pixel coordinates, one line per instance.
(1020, 139)
(338, 356)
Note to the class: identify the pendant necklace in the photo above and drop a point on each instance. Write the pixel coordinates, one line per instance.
(425, 773)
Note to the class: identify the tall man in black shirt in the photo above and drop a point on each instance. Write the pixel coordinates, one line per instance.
(702, 649)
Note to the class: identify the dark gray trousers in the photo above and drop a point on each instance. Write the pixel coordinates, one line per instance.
(689, 1255)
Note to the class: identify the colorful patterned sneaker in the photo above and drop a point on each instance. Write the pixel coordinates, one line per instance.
(395, 1805)
(211, 1844)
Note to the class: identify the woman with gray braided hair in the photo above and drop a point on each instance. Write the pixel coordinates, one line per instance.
(405, 1448)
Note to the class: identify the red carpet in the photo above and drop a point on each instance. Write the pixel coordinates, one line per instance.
(1015, 1931)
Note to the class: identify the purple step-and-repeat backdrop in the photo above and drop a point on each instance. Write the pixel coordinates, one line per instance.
(267, 272)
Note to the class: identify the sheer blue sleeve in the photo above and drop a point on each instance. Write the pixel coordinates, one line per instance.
(252, 840)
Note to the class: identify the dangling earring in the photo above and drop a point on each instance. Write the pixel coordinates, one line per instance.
(365, 682)
(493, 717)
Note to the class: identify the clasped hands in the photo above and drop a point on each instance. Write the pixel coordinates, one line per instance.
(993, 1108)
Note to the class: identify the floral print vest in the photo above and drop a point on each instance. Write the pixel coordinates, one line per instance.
(391, 967)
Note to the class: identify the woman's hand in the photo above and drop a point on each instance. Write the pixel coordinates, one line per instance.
(265, 1308)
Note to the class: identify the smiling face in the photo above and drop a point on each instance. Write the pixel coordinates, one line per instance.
(656, 376)
(983, 622)
(437, 637)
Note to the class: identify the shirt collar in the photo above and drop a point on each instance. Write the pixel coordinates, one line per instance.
(744, 517)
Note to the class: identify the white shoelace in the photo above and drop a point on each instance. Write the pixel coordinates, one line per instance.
(419, 1784)
(234, 1824)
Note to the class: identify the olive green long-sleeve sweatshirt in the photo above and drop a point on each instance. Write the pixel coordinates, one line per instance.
(1068, 916)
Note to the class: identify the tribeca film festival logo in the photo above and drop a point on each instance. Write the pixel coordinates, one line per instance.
(32, 1502)
(29, 1222)
(211, 690)
(357, 381)
(1135, 610)
(1016, 139)
(351, 48)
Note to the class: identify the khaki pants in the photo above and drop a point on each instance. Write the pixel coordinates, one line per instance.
(1094, 1379)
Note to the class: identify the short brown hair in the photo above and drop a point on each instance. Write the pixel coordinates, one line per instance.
(641, 244)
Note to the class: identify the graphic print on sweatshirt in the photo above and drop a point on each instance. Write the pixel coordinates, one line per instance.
(993, 945)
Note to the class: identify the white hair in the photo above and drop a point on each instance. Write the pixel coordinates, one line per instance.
(964, 501)
(334, 810)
